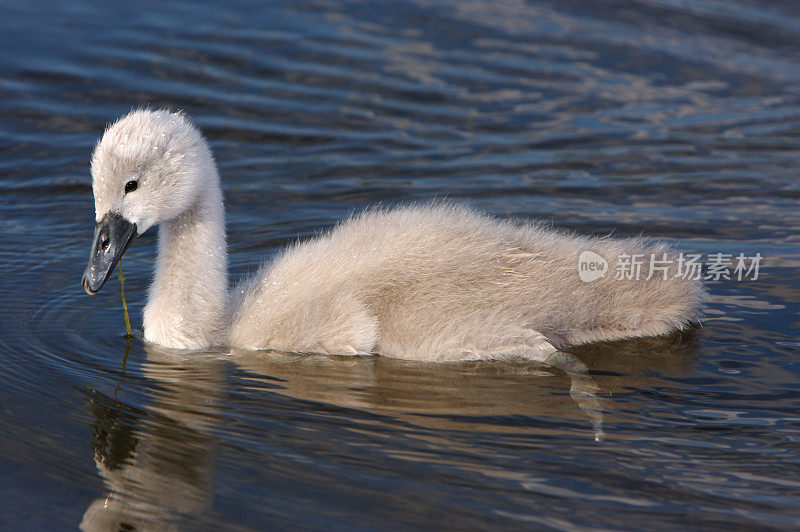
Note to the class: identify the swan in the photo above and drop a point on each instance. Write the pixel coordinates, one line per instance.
(434, 282)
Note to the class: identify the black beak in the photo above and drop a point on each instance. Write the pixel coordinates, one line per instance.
(112, 236)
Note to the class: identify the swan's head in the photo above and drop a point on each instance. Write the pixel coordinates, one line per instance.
(149, 167)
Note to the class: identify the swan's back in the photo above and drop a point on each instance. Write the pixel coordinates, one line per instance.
(443, 282)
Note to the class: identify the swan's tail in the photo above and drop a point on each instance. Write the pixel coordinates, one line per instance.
(631, 289)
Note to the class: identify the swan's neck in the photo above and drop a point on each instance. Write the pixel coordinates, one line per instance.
(186, 307)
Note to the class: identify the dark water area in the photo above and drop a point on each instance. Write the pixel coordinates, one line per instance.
(675, 120)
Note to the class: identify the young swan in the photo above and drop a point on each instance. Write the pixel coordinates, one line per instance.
(427, 282)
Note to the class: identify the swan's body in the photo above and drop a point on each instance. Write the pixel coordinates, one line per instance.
(433, 282)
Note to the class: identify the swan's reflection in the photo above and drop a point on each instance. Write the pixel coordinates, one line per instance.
(479, 395)
(157, 462)
(435, 395)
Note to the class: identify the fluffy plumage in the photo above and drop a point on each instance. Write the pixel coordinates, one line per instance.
(436, 282)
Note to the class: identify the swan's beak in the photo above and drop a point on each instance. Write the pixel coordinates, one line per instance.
(112, 236)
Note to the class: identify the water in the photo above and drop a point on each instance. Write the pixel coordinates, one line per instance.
(680, 121)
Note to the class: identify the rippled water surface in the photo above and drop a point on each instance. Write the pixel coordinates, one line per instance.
(676, 120)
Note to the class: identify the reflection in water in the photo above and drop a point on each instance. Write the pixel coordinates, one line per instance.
(438, 395)
(157, 462)
(478, 395)
(581, 388)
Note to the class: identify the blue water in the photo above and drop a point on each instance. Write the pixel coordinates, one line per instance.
(679, 121)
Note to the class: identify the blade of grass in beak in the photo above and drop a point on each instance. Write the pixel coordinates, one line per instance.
(124, 305)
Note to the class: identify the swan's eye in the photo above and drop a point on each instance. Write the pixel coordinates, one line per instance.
(130, 186)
